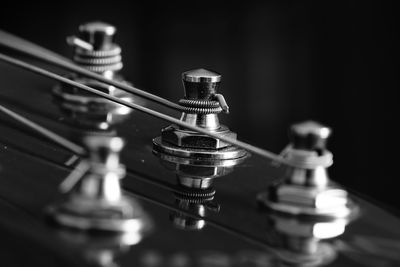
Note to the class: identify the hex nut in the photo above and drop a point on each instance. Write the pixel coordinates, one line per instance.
(189, 139)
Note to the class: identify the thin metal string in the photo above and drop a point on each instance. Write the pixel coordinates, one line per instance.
(43, 131)
(131, 193)
(25, 47)
(253, 149)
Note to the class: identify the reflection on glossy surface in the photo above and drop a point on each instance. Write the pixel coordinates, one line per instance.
(199, 202)
(371, 250)
(194, 192)
(100, 250)
(301, 242)
(197, 173)
(208, 258)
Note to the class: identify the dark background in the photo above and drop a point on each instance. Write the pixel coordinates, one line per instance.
(281, 63)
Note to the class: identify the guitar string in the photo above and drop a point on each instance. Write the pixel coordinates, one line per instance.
(43, 131)
(32, 50)
(74, 157)
(79, 150)
(209, 221)
(135, 194)
(23, 46)
(251, 148)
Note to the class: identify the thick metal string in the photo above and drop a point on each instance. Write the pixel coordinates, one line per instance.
(25, 47)
(253, 149)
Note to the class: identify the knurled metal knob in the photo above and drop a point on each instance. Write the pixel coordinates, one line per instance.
(309, 135)
(95, 49)
(99, 34)
(200, 94)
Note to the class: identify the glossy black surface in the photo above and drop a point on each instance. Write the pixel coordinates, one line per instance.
(238, 234)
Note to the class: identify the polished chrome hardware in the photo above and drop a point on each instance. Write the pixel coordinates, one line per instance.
(200, 107)
(95, 50)
(304, 242)
(95, 200)
(199, 202)
(194, 192)
(306, 188)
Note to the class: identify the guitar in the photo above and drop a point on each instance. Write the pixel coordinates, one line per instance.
(181, 203)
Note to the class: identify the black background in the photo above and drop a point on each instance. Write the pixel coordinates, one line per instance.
(281, 63)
